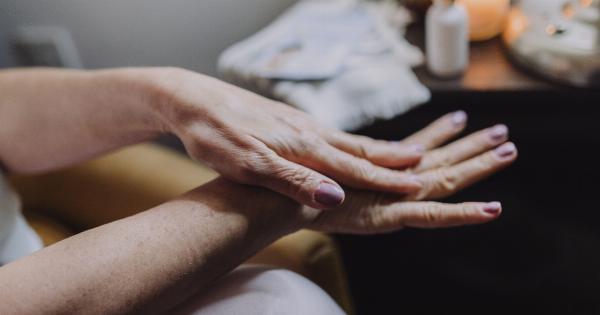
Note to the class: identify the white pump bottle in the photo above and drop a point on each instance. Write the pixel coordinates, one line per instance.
(447, 38)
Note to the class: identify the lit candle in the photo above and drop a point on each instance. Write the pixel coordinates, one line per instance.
(487, 17)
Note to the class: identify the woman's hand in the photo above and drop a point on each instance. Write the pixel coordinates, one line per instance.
(443, 170)
(245, 137)
(254, 140)
(179, 248)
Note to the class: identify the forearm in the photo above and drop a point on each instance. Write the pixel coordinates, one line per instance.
(52, 118)
(152, 261)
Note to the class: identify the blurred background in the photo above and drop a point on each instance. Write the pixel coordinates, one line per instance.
(112, 33)
(535, 71)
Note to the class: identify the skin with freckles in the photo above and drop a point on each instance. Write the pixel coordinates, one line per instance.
(173, 251)
(245, 137)
(151, 262)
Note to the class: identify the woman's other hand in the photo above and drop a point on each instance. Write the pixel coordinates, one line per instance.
(257, 141)
(444, 170)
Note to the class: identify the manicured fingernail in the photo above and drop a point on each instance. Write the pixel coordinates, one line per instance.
(493, 208)
(459, 118)
(329, 195)
(499, 133)
(506, 150)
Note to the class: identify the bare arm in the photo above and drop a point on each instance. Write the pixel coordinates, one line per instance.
(52, 118)
(152, 261)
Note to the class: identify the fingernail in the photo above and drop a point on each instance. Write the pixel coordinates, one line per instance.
(329, 195)
(499, 133)
(459, 118)
(493, 208)
(506, 150)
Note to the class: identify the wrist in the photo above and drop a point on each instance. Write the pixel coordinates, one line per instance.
(269, 215)
(137, 94)
(176, 96)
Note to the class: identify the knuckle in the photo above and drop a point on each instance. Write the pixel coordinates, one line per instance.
(446, 160)
(437, 184)
(297, 177)
(432, 214)
(255, 167)
(365, 144)
(426, 189)
(465, 212)
(294, 180)
(371, 215)
(373, 218)
(301, 147)
(445, 181)
(306, 143)
(362, 150)
(308, 137)
(364, 171)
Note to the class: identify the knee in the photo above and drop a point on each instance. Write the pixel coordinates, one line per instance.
(287, 292)
(263, 290)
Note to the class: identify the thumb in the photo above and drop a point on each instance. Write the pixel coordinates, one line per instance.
(302, 184)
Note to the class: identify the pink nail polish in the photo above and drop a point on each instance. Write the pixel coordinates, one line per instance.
(329, 195)
(459, 118)
(499, 133)
(493, 208)
(506, 150)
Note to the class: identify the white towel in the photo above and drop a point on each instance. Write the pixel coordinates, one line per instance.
(346, 62)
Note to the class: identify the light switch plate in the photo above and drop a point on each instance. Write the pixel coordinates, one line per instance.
(45, 46)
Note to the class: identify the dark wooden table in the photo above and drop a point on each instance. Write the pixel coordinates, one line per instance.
(543, 255)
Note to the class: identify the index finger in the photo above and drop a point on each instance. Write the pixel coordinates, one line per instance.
(379, 152)
(443, 182)
(440, 131)
(359, 173)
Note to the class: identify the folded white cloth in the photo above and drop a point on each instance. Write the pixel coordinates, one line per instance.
(346, 62)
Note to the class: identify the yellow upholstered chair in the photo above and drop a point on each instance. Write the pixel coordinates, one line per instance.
(121, 184)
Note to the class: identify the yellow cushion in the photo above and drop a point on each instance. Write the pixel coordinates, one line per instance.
(49, 230)
(140, 177)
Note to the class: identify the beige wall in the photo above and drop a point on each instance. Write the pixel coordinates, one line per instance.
(108, 33)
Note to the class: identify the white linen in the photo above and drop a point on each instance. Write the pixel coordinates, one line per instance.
(346, 62)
